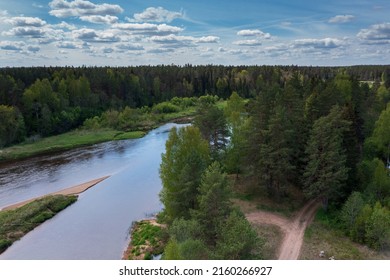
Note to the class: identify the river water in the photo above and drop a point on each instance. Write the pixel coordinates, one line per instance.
(97, 225)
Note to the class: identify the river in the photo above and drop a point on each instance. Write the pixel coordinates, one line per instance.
(97, 225)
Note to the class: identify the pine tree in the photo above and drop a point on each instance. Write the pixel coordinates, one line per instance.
(213, 201)
(326, 172)
(212, 124)
(276, 154)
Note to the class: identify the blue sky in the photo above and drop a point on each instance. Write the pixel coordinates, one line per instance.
(148, 32)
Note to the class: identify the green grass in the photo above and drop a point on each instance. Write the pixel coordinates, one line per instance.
(16, 223)
(129, 135)
(147, 239)
(323, 235)
(66, 141)
(145, 233)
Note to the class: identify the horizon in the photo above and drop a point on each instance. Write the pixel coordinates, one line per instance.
(123, 33)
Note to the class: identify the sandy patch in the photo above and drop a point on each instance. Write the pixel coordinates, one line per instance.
(75, 190)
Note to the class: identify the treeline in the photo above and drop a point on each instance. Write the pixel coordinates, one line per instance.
(51, 100)
(329, 138)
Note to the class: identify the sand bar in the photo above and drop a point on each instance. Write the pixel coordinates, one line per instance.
(75, 190)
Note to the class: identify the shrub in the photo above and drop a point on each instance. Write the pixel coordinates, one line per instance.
(165, 108)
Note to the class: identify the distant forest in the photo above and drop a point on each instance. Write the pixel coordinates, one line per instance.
(51, 100)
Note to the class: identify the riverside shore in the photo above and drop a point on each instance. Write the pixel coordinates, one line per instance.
(75, 190)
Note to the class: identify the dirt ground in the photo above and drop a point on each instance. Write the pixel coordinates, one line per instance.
(293, 229)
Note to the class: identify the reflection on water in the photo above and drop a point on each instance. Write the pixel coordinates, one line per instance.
(97, 226)
(41, 175)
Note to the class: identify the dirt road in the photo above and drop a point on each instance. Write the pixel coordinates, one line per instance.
(293, 229)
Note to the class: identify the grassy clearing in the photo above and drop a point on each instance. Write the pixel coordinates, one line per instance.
(18, 222)
(148, 238)
(322, 235)
(66, 141)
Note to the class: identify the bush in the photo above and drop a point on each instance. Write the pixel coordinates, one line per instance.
(208, 99)
(165, 108)
(378, 228)
(92, 123)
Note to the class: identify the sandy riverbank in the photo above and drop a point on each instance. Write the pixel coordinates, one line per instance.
(75, 190)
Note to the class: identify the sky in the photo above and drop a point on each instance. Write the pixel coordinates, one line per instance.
(149, 32)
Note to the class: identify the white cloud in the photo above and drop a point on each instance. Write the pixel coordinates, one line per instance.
(33, 49)
(107, 19)
(208, 39)
(148, 28)
(91, 35)
(64, 25)
(376, 34)
(25, 31)
(129, 47)
(161, 50)
(11, 46)
(158, 14)
(230, 51)
(341, 19)
(326, 43)
(107, 50)
(183, 41)
(26, 21)
(68, 45)
(172, 39)
(78, 8)
(248, 43)
(253, 32)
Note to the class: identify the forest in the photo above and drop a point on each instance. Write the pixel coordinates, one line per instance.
(324, 131)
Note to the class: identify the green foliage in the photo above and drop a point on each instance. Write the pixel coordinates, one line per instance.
(380, 185)
(358, 232)
(212, 123)
(182, 229)
(213, 202)
(4, 244)
(276, 154)
(236, 239)
(237, 121)
(326, 170)
(164, 108)
(208, 100)
(192, 249)
(381, 134)
(145, 233)
(186, 158)
(351, 210)
(171, 251)
(16, 223)
(147, 239)
(12, 128)
(378, 228)
(234, 110)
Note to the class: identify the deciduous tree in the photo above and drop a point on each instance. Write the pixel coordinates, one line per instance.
(187, 156)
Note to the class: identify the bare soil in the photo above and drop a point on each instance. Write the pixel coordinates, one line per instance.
(293, 229)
